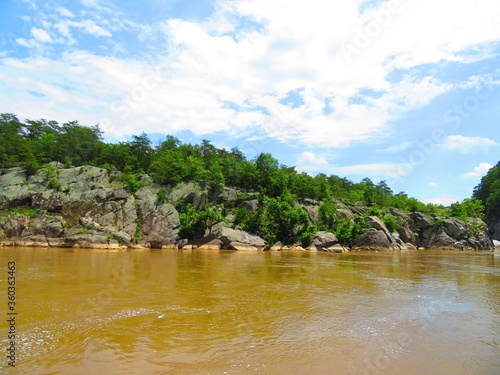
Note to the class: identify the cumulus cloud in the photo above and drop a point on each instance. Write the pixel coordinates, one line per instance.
(434, 184)
(397, 148)
(478, 171)
(467, 144)
(443, 199)
(380, 169)
(308, 161)
(41, 35)
(297, 45)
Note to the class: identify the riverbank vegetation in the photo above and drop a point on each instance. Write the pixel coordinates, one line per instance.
(33, 144)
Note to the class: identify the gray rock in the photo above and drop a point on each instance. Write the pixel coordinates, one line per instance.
(88, 222)
(190, 193)
(13, 226)
(343, 213)
(241, 246)
(455, 228)
(313, 212)
(228, 235)
(407, 235)
(324, 239)
(421, 221)
(374, 240)
(48, 226)
(441, 240)
(251, 206)
(161, 227)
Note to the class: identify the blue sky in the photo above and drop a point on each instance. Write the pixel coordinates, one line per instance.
(404, 91)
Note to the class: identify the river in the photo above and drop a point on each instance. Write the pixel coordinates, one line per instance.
(81, 311)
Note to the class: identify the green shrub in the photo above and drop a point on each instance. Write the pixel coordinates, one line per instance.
(162, 195)
(131, 182)
(307, 237)
(54, 184)
(348, 230)
(390, 223)
(326, 215)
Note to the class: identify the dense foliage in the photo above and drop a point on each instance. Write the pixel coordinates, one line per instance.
(488, 192)
(34, 143)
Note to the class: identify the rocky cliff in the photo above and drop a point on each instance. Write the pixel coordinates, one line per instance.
(87, 207)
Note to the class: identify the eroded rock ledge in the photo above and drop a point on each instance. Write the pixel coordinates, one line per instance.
(90, 209)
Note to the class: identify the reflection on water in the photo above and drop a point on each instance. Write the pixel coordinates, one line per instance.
(180, 312)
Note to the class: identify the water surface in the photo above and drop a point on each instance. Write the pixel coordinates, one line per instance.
(86, 311)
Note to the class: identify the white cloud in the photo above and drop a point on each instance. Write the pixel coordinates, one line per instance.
(308, 161)
(478, 171)
(467, 144)
(298, 46)
(90, 27)
(41, 35)
(64, 12)
(433, 184)
(444, 199)
(380, 169)
(397, 148)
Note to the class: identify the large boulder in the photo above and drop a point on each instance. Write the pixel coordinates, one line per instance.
(441, 240)
(323, 240)
(161, 227)
(455, 228)
(251, 206)
(374, 240)
(190, 193)
(313, 212)
(13, 226)
(421, 221)
(48, 226)
(228, 235)
(343, 213)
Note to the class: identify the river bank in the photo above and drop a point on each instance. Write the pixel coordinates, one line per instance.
(89, 207)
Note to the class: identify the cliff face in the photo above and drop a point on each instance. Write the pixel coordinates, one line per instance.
(87, 207)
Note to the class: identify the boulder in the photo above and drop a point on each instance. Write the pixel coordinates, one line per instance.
(241, 247)
(455, 228)
(88, 222)
(323, 240)
(313, 213)
(48, 226)
(95, 241)
(278, 245)
(14, 225)
(228, 235)
(338, 248)
(161, 227)
(374, 240)
(344, 213)
(190, 193)
(251, 206)
(407, 235)
(421, 221)
(440, 240)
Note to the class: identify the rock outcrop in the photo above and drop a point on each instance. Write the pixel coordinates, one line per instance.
(89, 207)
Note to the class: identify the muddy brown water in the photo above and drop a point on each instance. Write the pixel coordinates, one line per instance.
(83, 311)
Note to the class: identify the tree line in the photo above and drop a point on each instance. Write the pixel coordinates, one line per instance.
(31, 144)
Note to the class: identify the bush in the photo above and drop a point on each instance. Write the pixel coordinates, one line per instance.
(375, 211)
(307, 237)
(326, 215)
(54, 184)
(162, 195)
(347, 231)
(131, 181)
(390, 223)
